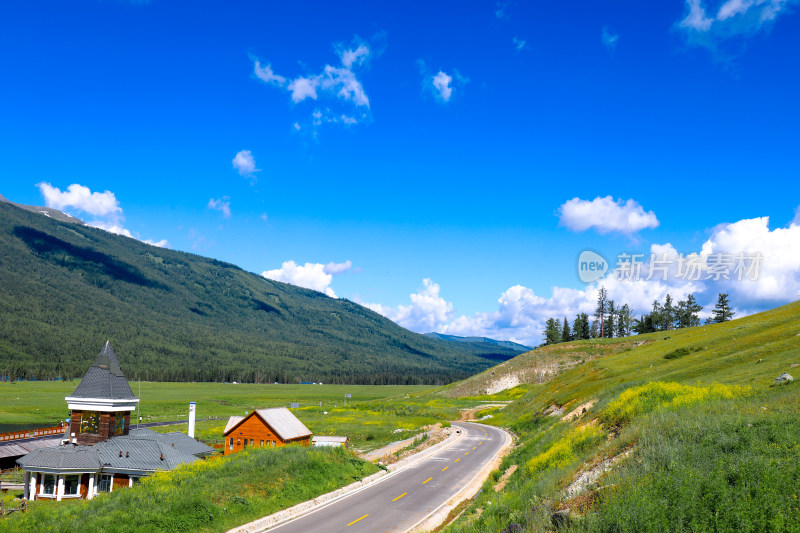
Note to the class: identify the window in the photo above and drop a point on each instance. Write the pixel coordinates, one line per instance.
(49, 484)
(251, 442)
(90, 422)
(119, 424)
(72, 485)
(230, 445)
(245, 443)
(262, 443)
(104, 485)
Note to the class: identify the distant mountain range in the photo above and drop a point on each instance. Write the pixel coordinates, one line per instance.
(66, 288)
(519, 348)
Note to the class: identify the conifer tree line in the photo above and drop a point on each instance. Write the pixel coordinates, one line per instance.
(611, 319)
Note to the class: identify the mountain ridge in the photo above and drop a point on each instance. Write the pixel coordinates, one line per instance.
(66, 288)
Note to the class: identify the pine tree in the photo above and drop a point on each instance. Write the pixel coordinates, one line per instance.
(722, 310)
(600, 311)
(611, 322)
(656, 316)
(624, 321)
(668, 313)
(552, 332)
(580, 327)
(687, 311)
(566, 336)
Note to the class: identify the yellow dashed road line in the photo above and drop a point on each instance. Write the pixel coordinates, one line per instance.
(357, 519)
(457, 460)
(396, 498)
(445, 468)
(430, 478)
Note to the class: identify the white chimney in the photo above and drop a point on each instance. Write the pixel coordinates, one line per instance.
(192, 407)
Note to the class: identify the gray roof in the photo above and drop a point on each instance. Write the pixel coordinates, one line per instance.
(104, 379)
(143, 450)
(280, 420)
(62, 457)
(174, 439)
(16, 449)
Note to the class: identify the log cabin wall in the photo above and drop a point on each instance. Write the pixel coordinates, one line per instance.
(251, 428)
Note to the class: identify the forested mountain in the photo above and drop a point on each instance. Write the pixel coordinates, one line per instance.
(483, 342)
(66, 288)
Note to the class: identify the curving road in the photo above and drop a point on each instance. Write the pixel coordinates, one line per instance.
(401, 500)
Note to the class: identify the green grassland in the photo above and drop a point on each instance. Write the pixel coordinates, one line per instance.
(370, 417)
(704, 440)
(211, 495)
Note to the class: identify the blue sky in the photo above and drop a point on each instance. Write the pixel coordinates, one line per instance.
(385, 144)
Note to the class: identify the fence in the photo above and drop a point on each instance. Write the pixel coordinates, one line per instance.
(30, 433)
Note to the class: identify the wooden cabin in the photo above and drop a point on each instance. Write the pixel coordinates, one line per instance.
(263, 428)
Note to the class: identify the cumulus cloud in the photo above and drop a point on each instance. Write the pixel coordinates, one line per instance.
(521, 314)
(223, 205)
(81, 198)
(104, 206)
(427, 312)
(315, 276)
(606, 215)
(519, 44)
(609, 39)
(245, 163)
(339, 86)
(714, 24)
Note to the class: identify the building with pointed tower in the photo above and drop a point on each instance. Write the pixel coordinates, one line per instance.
(102, 453)
(101, 406)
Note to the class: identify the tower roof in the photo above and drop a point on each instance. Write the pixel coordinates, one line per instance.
(104, 379)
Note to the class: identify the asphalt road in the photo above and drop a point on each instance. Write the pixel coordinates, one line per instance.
(399, 501)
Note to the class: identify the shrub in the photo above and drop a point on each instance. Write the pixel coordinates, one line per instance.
(563, 452)
(646, 398)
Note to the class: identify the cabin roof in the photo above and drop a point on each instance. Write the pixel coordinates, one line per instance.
(279, 419)
(104, 379)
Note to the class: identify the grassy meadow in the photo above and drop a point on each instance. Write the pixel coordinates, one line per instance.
(371, 417)
(685, 431)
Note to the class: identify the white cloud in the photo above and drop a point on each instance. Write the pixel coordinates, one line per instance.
(337, 85)
(441, 82)
(302, 88)
(696, 18)
(427, 312)
(315, 276)
(223, 205)
(609, 39)
(266, 75)
(81, 198)
(442, 86)
(103, 206)
(796, 220)
(521, 314)
(335, 269)
(245, 163)
(733, 19)
(519, 44)
(351, 57)
(163, 243)
(605, 215)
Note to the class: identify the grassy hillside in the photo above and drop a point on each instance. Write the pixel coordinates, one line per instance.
(66, 288)
(212, 495)
(685, 431)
